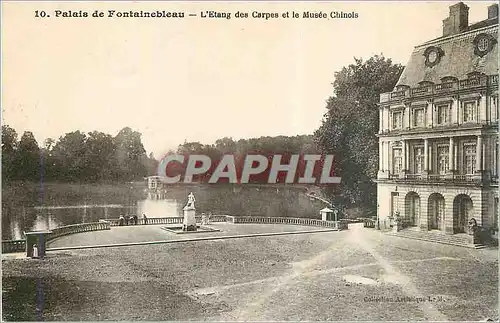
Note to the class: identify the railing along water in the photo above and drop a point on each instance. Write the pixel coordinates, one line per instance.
(78, 228)
(9, 246)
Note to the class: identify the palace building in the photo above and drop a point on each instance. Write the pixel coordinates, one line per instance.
(438, 137)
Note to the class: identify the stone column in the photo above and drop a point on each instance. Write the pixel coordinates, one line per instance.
(479, 153)
(407, 157)
(403, 154)
(381, 121)
(455, 157)
(451, 164)
(479, 159)
(426, 158)
(482, 109)
(430, 159)
(381, 156)
(388, 154)
(483, 148)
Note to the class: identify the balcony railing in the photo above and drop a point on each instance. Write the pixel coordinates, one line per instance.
(421, 91)
(438, 177)
(473, 82)
(480, 81)
(398, 95)
(445, 87)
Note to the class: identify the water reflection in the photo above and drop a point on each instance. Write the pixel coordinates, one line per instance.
(50, 217)
(84, 204)
(159, 208)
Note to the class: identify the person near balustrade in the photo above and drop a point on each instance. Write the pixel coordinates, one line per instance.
(145, 218)
(136, 219)
(121, 220)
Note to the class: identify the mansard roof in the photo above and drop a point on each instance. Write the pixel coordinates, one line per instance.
(458, 57)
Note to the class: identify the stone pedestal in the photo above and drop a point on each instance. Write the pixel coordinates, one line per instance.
(396, 226)
(189, 223)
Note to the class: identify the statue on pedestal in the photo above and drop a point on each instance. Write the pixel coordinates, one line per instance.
(472, 226)
(191, 200)
(189, 222)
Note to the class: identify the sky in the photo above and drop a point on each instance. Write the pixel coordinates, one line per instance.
(194, 79)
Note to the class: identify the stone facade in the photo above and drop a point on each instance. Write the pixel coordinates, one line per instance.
(438, 138)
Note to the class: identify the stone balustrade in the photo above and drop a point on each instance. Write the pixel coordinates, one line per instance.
(340, 225)
(473, 82)
(78, 228)
(9, 246)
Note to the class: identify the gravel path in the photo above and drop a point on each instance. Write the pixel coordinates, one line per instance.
(359, 274)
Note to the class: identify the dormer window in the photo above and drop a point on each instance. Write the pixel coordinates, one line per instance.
(402, 87)
(474, 74)
(449, 79)
(425, 83)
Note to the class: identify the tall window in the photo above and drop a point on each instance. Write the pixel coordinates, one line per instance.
(469, 158)
(397, 120)
(418, 117)
(397, 160)
(469, 113)
(442, 114)
(442, 159)
(419, 160)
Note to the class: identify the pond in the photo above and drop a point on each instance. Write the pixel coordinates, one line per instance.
(28, 206)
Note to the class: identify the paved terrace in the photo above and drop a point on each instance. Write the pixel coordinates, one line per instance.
(359, 274)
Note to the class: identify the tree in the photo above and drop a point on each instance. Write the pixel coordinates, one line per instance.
(100, 156)
(130, 154)
(349, 126)
(9, 148)
(69, 155)
(28, 157)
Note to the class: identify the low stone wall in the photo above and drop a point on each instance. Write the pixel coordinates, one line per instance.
(340, 225)
(10, 246)
(166, 220)
(78, 228)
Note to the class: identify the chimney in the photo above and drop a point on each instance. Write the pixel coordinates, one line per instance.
(493, 11)
(458, 21)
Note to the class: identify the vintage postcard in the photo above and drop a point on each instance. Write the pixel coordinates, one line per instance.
(249, 161)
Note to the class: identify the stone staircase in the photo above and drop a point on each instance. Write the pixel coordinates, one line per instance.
(460, 239)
